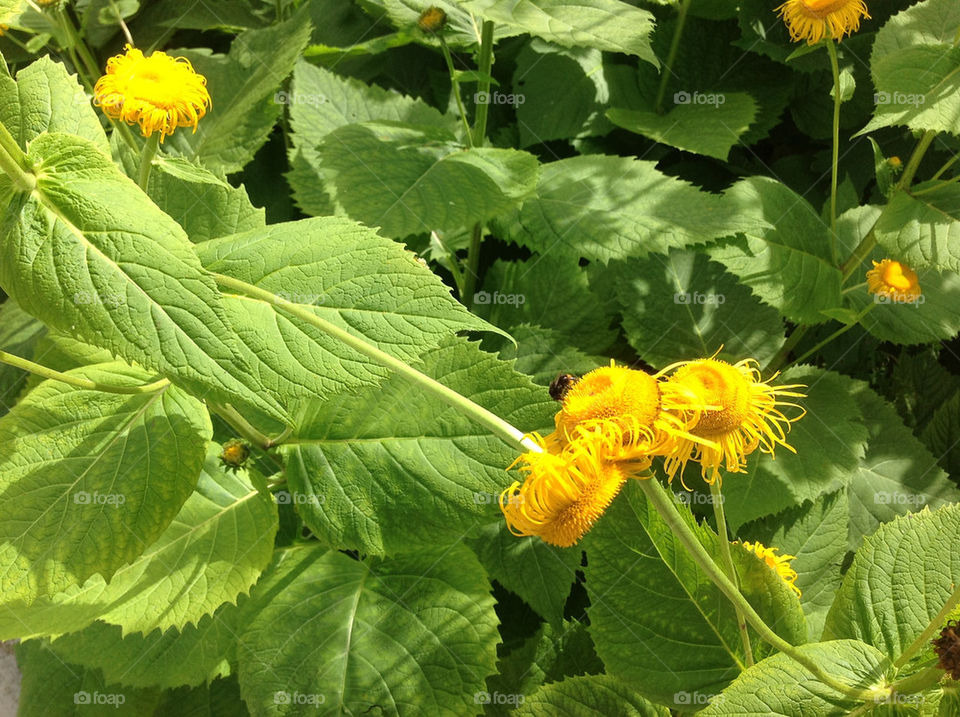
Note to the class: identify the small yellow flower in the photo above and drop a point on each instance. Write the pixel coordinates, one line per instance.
(812, 20)
(780, 563)
(894, 281)
(432, 20)
(160, 92)
(565, 492)
(3, 29)
(744, 415)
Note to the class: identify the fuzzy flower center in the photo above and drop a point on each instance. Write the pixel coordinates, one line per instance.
(717, 384)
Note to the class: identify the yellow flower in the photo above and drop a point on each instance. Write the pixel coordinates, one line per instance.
(744, 415)
(159, 92)
(3, 29)
(780, 563)
(647, 414)
(565, 492)
(894, 281)
(432, 20)
(812, 20)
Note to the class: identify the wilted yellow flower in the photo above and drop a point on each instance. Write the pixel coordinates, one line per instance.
(780, 563)
(744, 416)
(894, 281)
(160, 92)
(432, 20)
(565, 493)
(810, 20)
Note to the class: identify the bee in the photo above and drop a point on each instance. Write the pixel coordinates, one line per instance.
(234, 455)
(561, 385)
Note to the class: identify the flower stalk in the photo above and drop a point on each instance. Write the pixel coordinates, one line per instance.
(718, 513)
(78, 382)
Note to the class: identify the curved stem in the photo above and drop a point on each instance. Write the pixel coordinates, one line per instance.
(835, 335)
(149, 151)
(85, 383)
(242, 426)
(946, 165)
(455, 88)
(478, 413)
(936, 622)
(834, 162)
(860, 253)
(485, 67)
(668, 512)
(914, 162)
(721, 519)
(671, 54)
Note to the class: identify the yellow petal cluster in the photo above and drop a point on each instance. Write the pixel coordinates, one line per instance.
(893, 280)
(780, 563)
(812, 20)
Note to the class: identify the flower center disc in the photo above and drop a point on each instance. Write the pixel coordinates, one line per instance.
(612, 392)
(719, 384)
(894, 276)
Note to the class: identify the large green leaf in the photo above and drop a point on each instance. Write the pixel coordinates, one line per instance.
(589, 696)
(319, 102)
(411, 179)
(92, 256)
(386, 468)
(89, 479)
(787, 264)
(19, 333)
(658, 621)
(942, 435)
(923, 230)
(899, 581)
(212, 552)
(604, 207)
(412, 633)
(915, 65)
(243, 88)
(684, 306)
(543, 353)
(781, 686)
(602, 24)
(220, 698)
(346, 274)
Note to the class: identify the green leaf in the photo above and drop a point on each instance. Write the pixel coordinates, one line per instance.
(589, 696)
(604, 207)
(899, 581)
(829, 443)
(412, 179)
(816, 533)
(211, 553)
(602, 24)
(52, 687)
(703, 123)
(780, 686)
(417, 630)
(362, 463)
(683, 306)
(923, 230)
(539, 573)
(346, 274)
(462, 28)
(174, 658)
(543, 353)
(221, 698)
(19, 333)
(319, 102)
(658, 621)
(96, 256)
(550, 291)
(897, 475)
(90, 479)
(242, 86)
(942, 435)
(45, 98)
(916, 69)
(787, 263)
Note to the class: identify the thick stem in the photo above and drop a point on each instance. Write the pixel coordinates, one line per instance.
(485, 66)
(671, 54)
(150, 148)
(935, 624)
(859, 254)
(731, 569)
(913, 164)
(84, 383)
(836, 334)
(455, 88)
(478, 413)
(668, 512)
(835, 159)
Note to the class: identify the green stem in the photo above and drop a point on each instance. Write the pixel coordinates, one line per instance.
(77, 42)
(859, 254)
(665, 506)
(935, 624)
(485, 66)
(721, 519)
(123, 25)
(84, 383)
(672, 54)
(918, 682)
(478, 413)
(472, 272)
(150, 148)
(455, 88)
(240, 424)
(946, 165)
(14, 163)
(789, 345)
(835, 335)
(935, 187)
(914, 162)
(835, 159)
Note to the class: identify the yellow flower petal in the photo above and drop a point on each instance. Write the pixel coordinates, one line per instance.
(780, 563)
(893, 280)
(812, 20)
